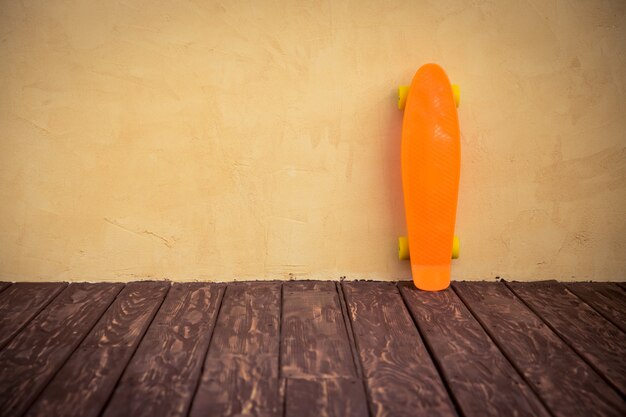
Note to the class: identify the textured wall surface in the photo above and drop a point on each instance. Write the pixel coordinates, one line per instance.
(215, 140)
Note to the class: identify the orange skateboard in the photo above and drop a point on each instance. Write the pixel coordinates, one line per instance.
(431, 164)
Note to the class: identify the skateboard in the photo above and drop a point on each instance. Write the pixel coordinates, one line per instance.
(431, 164)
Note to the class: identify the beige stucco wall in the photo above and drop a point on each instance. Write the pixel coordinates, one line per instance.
(237, 139)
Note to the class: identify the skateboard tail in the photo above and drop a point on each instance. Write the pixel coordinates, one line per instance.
(431, 277)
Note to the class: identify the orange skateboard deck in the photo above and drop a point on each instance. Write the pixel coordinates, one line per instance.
(431, 164)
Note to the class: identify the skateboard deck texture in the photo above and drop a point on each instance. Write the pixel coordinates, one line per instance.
(431, 157)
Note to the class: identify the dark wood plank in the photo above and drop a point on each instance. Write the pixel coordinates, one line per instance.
(82, 387)
(164, 371)
(21, 302)
(481, 379)
(593, 337)
(32, 358)
(240, 374)
(565, 382)
(4, 285)
(607, 298)
(316, 353)
(400, 375)
(314, 336)
(329, 397)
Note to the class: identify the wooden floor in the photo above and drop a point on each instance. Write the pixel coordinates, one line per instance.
(312, 348)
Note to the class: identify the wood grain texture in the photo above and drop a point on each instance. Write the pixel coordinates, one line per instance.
(4, 285)
(328, 397)
(607, 298)
(164, 371)
(32, 358)
(565, 382)
(593, 337)
(400, 375)
(82, 387)
(21, 302)
(240, 374)
(481, 379)
(68, 359)
(314, 336)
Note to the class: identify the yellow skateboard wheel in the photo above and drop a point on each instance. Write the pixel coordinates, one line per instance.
(403, 93)
(403, 248)
(456, 247)
(456, 91)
